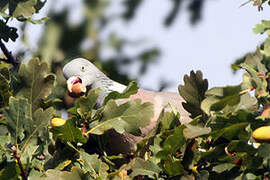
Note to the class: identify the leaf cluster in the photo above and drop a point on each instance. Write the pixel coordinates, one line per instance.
(23, 118)
(216, 144)
(22, 11)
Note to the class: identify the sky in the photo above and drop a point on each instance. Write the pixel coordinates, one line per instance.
(223, 35)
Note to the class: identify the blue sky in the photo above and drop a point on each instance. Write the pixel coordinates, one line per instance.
(224, 34)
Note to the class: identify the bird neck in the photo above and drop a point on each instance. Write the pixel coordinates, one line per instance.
(107, 85)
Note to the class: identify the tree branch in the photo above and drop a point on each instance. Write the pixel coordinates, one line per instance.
(4, 59)
(9, 58)
(18, 160)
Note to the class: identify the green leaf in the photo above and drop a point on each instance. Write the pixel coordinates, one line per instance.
(4, 15)
(156, 146)
(257, 73)
(41, 118)
(7, 32)
(36, 164)
(241, 146)
(4, 91)
(172, 142)
(17, 115)
(131, 89)
(261, 28)
(86, 104)
(63, 164)
(207, 104)
(204, 175)
(255, 62)
(128, 117)
(220, 121)
(193, 92)
(223, 167)
(37, 82)
(250, 176)
(266, 47)
(4, 141)
(139, 166)
(229, 132)
(24, 8)
(215, 153)
(175, 140)
(5, 72)
(24, 126)
(34, 174)
(28, 153)
(229, 95)
(259, 83)
(174, 167)
(68, 132)
(192, 154)
(40, 4)
(10, 171)
(195, 131)
(75, 173)
(264, 150)
(169, 121)
(36, 126)
(228, 99)
(94, 166)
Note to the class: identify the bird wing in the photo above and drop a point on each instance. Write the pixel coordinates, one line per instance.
(174, 99)
(163, 100)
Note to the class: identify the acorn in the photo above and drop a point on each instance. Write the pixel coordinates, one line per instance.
(262, 134)
(78, 88)
(56, 122)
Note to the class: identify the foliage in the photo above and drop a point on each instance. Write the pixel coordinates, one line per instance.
(193, 92)
(216, 144)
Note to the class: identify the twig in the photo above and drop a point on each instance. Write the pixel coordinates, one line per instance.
(7, 20)
(9, 58)
(5, 60)
(17, 157)
(245, 3)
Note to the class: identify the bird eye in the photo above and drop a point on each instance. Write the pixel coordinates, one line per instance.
(83, 68)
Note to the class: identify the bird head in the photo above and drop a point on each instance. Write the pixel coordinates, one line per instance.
(79, 73)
